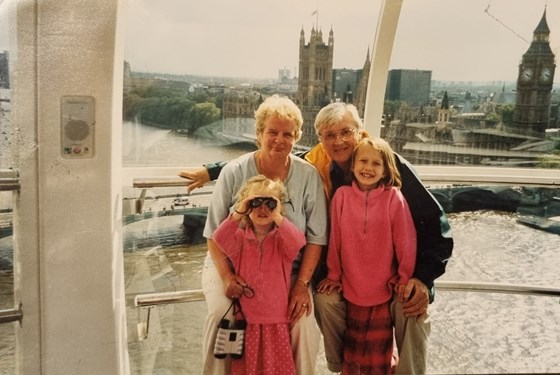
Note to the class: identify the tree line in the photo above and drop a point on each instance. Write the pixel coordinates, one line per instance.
(168, 109)
(188, 112)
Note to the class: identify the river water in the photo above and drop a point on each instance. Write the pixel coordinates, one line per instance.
(472, 333)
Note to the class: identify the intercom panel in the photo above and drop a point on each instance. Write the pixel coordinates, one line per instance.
(77, 127)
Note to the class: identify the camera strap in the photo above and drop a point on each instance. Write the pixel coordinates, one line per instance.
(236, 305)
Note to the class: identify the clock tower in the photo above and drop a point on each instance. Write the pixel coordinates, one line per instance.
(534, 84)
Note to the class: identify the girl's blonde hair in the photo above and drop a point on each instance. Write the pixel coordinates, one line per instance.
(392, 176)
(275, 188)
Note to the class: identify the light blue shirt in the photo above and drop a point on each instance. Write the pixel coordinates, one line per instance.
(306, 206)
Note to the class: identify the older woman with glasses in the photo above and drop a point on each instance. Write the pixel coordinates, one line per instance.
(339, 128)
(278, 128)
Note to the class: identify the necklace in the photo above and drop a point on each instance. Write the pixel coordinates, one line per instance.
(281, 175)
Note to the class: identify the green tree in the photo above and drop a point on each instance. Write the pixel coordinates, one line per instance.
(492, 117)
(130, 105)
(202, 114)
(162, 107)
(201, 97)
(551, 160)
(507, 114)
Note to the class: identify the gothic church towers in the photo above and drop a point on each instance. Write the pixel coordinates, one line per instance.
(315, 79)
(315, 68)
(534, 84)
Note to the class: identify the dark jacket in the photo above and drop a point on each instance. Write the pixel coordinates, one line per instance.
(433, 233)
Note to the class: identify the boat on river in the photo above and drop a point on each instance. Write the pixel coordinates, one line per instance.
(181, 201)
(544, 215)
(551, 224)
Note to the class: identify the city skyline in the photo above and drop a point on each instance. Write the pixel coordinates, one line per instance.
(455, 39)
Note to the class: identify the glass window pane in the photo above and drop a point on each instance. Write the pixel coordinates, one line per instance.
(7, 333)
(478, 89)
(186, 104)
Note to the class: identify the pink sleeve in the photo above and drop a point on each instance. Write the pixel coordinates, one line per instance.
(228, 236)
(404, 236)
(333, 254)
(292, 239)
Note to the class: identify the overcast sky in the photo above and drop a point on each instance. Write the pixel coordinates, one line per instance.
(455, 39)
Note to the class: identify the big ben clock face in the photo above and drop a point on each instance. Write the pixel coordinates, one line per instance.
(546, 75)
(526, 74)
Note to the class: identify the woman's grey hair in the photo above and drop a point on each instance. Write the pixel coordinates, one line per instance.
(333, 114)
(280, 107)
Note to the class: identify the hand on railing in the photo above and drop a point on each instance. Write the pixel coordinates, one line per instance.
(198, 175)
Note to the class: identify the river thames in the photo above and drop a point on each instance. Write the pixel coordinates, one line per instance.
(472, 333)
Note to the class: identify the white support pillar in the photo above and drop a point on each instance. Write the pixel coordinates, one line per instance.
(381, 57)
(68, 261)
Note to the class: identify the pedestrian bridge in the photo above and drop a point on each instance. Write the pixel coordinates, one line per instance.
(527, 191)
(453, 187)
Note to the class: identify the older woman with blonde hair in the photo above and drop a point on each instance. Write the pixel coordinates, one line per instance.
(278, 128)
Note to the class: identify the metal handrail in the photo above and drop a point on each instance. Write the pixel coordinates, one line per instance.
(9, 180)
(467, 286)
(445, 174)
(162, 181)
(154, 299)
(11, 315)
(430, 175)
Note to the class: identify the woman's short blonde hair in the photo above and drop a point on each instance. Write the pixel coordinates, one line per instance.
(334, 113)
(392, 176)
(280, 107)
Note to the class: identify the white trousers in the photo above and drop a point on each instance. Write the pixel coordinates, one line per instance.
(305, 335)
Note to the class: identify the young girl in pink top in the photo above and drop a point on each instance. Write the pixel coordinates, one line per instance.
(372, 254)
(262, 245)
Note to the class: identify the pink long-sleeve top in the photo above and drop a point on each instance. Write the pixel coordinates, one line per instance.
(372, 244)
(265, 266)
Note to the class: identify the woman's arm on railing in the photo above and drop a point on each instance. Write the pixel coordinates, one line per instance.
(202, 175)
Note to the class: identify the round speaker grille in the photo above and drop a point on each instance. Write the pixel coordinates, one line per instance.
(76, 130)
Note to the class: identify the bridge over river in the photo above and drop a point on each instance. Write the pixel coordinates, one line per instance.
(539, 203)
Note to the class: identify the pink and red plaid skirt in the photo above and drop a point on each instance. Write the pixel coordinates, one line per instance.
(368, 343)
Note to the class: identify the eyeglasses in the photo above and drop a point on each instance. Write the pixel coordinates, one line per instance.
(268, 201)
(345, 134)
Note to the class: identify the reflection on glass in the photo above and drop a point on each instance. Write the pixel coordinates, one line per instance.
(465, 87)
(476, 89)
(458, 93)
(7, 336)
